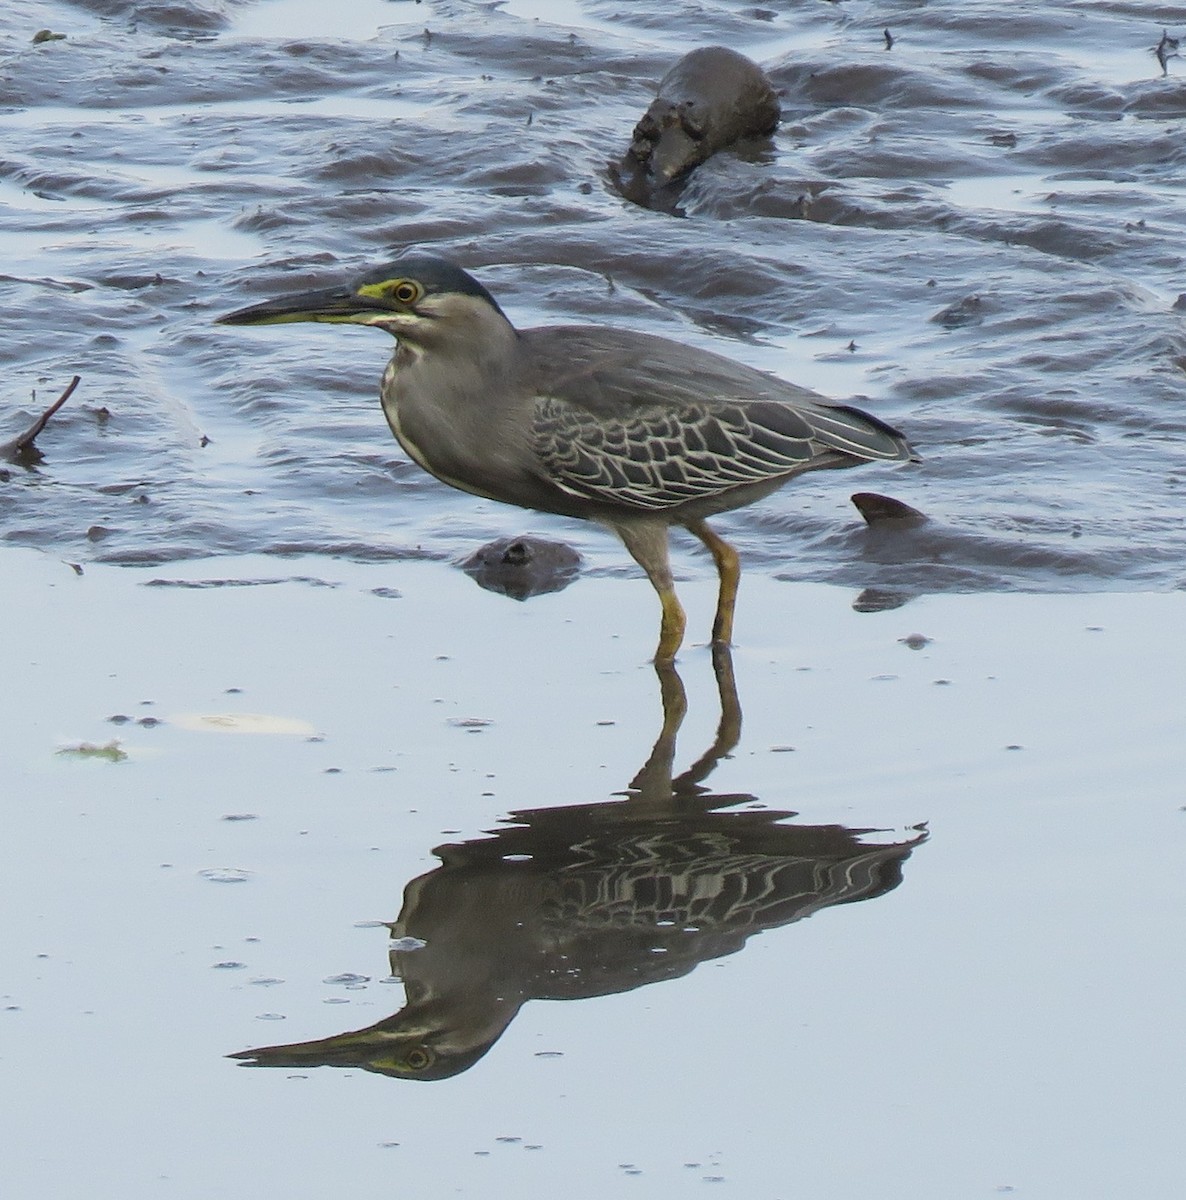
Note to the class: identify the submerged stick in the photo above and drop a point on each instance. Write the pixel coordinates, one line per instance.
(22, 447)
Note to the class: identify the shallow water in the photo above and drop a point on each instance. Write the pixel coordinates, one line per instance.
(977, 232)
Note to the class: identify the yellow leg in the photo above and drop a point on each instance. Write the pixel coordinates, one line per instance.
(647, 542)
(729, 571)
(671, 628)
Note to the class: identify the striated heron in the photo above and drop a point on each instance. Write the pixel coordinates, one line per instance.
(629, 429)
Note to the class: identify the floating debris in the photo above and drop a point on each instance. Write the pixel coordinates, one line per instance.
(242, 723)
(111, 751)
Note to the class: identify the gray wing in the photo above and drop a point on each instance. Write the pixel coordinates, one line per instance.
(648, 423)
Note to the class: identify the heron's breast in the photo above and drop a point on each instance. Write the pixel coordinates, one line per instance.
(437, 437)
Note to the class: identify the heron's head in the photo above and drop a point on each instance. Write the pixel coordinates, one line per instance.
(418, 298)
(383, 1048)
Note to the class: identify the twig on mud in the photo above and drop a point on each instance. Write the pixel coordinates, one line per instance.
(22, 448)
(1166, 49)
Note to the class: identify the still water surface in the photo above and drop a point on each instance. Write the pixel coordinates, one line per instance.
(953, 972)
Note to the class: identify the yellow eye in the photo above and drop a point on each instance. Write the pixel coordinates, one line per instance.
(418, 1059)
(406, 291)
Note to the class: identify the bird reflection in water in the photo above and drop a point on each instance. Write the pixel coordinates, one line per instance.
(589, 900)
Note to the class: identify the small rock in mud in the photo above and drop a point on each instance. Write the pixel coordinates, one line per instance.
(874, 599)
(710, 99)
(521, 567)
(968, 311)
(877, 509)
(915, 641)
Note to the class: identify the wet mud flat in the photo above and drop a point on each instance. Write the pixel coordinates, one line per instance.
(894, 909)
(941, 860)
(976, 232)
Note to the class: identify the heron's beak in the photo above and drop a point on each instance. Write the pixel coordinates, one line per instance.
(333, 305)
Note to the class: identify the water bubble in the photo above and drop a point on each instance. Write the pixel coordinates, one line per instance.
(406, 943)
(225, 875)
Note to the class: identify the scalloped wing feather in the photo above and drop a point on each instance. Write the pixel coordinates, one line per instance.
(643, 422)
